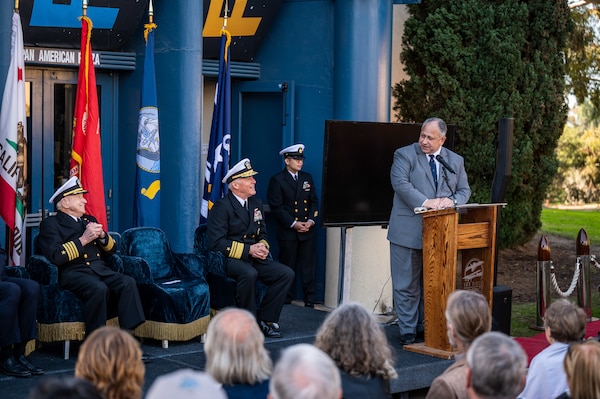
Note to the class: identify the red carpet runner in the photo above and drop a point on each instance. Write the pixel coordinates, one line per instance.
(537, 343)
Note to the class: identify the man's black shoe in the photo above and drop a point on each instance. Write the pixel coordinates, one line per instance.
(309, 305)
(268, 330)
(407, 339)
(33, 369)
(13, 368)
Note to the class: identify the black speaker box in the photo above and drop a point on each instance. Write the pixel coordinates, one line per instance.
(501, 309)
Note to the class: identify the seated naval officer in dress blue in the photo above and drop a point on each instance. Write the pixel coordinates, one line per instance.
(236, 227)
(75, 242)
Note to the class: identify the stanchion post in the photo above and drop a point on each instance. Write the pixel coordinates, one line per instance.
(584, 292)
(544, 297)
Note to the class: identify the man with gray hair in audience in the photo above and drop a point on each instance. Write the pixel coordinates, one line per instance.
(496, 367)
(305, 372)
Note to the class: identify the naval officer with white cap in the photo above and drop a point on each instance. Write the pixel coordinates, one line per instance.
(75, 242)
(236, 227)
(293, 200)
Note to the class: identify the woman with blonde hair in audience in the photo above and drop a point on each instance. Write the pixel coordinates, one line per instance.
(468, 316)
(111, 359)
(582, 366)
(356, 342)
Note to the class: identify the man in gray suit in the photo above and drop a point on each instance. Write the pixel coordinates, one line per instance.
(424, 175)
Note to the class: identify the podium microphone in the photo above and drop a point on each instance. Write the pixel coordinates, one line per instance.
(445, 164)
(445, 175)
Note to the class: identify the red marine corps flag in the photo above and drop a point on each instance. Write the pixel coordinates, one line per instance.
(86, 156)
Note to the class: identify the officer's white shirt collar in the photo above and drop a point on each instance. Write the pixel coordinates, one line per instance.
(241, 201)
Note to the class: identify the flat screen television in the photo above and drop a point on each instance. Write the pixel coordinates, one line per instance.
(357, 158)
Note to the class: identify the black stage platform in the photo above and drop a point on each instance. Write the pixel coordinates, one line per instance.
(298, 324)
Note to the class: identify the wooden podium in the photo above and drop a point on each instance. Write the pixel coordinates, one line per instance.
(470, 229)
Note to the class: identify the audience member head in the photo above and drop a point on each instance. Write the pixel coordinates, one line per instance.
(467, 317)
(564, 322)
(496, 367)
(112, 360)
(64, 388)
(582, 365)
(354, 339)
(186, 384)
(234, 347)
(305, 372)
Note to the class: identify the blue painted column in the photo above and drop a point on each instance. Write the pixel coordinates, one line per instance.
(178, 60)
(362, 60)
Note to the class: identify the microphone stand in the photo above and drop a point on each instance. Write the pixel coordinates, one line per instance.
(445, 176)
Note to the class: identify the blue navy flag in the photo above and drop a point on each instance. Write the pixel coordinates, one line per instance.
(217, 161)
(146, 210)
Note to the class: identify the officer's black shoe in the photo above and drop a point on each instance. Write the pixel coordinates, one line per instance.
(33, 369)
(268, 330)
(13, 368)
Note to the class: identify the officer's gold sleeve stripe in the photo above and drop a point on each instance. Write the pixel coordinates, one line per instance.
(237, 249)
(265, 242)
(71, 250)
(110, 244)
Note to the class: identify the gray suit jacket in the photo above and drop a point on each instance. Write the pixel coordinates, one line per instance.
(413, 184)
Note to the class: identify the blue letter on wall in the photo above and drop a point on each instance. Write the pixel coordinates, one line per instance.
(47, 14)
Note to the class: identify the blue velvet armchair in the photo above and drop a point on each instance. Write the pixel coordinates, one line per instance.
(222, 287)
(60, 312)
(172, 286)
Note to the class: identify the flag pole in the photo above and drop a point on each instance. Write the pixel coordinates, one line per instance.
(150, 12)
(16, 5)
(225, 14)
(84, 8)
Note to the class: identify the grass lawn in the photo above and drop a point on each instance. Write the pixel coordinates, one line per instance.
(567, 223)
(564, 223)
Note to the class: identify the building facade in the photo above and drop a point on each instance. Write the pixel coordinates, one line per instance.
(295, 64)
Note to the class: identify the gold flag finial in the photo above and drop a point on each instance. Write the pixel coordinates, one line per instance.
(225, 14)
(150, 12)
(84, 7)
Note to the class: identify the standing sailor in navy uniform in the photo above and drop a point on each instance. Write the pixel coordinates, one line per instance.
(75, 242)
(236, 228)
(294, 203)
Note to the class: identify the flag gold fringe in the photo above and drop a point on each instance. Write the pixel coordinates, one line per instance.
(227, 43)
(85, 55)
(147, 29)
(172, 331)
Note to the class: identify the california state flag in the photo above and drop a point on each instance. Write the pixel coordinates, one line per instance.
(86, 155)
(13, 146)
